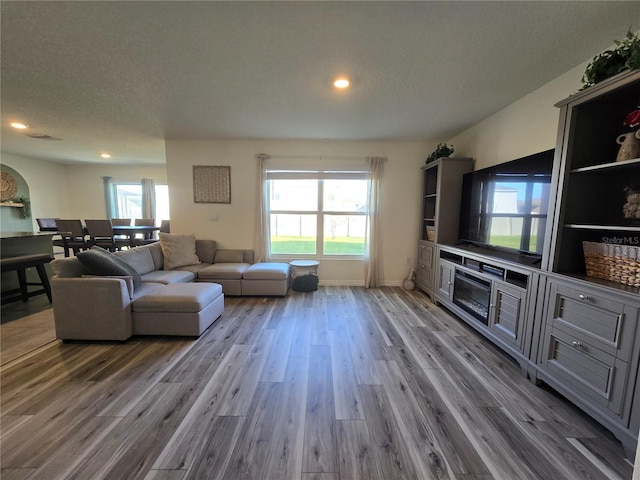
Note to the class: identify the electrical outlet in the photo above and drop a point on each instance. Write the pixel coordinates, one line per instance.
(214, 217)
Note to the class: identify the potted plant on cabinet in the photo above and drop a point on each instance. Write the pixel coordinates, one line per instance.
(442, 150)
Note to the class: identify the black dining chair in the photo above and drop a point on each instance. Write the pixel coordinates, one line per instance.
(165, 226)
(101, 234)
(145, 238)
(120, 222)
(49, 225)
(73, 235)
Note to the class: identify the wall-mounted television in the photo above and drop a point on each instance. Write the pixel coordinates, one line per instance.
(506, 206)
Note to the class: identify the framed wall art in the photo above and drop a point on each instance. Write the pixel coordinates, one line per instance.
(211, 184)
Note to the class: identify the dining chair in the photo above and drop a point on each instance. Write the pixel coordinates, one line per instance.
(49, 225)
(120, 222)
(101, 234)
(73, 235)
(145, 238)
(165, 226)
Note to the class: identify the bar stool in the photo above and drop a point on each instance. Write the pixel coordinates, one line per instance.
(19, 264)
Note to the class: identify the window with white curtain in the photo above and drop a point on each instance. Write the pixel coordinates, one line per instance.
(128, 201)
(317, 213)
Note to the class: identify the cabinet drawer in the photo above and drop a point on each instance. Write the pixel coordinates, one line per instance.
(602, 322)
(425, 254)
(597, 375)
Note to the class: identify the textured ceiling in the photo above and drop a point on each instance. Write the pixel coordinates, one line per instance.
(123, 76)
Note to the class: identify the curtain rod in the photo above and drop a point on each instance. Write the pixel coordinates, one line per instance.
(312, 157)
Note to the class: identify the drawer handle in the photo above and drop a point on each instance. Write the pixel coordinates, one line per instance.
(583, 297)
(577, 344)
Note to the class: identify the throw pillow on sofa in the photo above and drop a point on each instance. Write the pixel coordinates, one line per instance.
(178, 250)
(99, 261)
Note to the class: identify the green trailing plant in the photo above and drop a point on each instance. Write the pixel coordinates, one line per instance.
(25, 210)
(442, 150)
(625, 56)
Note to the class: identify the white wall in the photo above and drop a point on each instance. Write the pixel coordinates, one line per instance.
(235, 225)
(527, 126)
(47, 183)
(86, 189)
(73, 191)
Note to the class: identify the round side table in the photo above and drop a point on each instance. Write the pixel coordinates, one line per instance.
(304, 275)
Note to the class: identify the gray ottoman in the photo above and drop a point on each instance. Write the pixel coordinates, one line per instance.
(266, 279)
(178, 309)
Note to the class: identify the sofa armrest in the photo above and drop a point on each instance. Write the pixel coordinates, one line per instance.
(95, 308)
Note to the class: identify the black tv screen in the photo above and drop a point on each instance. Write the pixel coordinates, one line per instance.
(506, 205)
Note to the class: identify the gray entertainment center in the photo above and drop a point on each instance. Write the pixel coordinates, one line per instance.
(576, 333)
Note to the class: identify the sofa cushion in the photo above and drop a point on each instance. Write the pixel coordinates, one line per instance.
(68, 267)
(229, 256)
(146, 288)
(179, 298)
(99, 261)
(169, 276)
(139, 258)
(228, 271)
(206, 250)
(267, 271)
(156, 253)
(178, 250)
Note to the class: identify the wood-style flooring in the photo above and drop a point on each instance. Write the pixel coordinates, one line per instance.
(24, 327)
(342, 383)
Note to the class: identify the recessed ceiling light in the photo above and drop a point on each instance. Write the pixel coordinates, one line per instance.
(105, 155)
(341, 82)
(18, 125)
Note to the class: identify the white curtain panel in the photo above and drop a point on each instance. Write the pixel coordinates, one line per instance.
(374, 271)
(148, 198)
(262, 226)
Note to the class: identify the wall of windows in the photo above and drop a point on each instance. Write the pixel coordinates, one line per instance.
(317, 213)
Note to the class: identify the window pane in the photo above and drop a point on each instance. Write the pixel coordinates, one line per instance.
(345, 195)
(344, 234)
(128, 201)
(292, 234)
(294, 195)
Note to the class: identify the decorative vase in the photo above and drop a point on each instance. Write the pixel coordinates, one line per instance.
(629, 146)
(631, 209)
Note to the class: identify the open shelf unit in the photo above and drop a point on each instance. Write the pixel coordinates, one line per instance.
(592, 186)
(441, 192)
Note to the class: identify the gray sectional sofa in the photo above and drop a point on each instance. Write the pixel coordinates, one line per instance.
(92, 306)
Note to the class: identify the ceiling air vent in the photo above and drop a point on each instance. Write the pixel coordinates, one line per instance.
(42, 136)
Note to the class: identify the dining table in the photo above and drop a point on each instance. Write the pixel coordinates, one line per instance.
(132, 230)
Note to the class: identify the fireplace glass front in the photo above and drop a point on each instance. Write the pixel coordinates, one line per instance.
(472, 294)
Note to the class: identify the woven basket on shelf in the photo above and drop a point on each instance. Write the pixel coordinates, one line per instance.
(616, 263)
(431, 234)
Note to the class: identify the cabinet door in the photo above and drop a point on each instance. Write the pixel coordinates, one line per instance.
(587, 344)
(446, 272)
(424, 270)
(507, 313)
